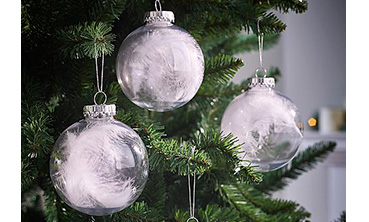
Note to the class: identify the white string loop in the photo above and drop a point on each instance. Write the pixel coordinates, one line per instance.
(105, 97)
(157, 5)
(261, 44)
(192, 218)
(99, 80)
(261, 47)
(191, 193)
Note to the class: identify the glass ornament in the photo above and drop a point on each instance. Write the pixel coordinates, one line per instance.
(160, 66)
(99, 165)
(267, 123)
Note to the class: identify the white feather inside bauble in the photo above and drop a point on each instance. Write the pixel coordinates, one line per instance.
(268, 124)
(99, 166)
(160, 66)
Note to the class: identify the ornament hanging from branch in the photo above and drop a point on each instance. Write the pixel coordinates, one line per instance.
(267, 123)
(99, 165)
(160, 66)
(191, 190)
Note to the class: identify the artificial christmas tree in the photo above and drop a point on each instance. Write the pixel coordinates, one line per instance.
(58, 46)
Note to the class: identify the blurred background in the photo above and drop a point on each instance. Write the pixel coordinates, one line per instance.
(311, 55)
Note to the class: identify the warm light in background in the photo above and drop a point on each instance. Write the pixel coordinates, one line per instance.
(312, 122)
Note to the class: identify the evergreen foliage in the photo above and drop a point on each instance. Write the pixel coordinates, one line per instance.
(58, 79)
(256, 206)
(277, 180)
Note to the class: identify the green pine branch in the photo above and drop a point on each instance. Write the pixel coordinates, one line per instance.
(130, 114)
(134, 12)
(286, 6)
(28, 174)
(269, 24)
(36, 140)
(57, 210)
(106, 10)
(258, 207)
(137, 212)
(155, 191)
(236, 197)
(221, 149)
(304, 161)
(173, 155)
(223, 152)
(38, 21)
(179, 123)
(211, 213)
(36, 135)
(248, 43)
(78, 41)
(220, 69)
(216, 213)
(236, 43)
(201, 18)
(194, 23)
(212, 152)
(228, 90)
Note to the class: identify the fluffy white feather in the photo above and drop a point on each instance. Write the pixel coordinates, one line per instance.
(92, 171)
(263, 119)
(160, 67)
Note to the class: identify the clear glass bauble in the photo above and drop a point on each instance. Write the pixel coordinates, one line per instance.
(99, 166)
(160, 66)
(268, 124)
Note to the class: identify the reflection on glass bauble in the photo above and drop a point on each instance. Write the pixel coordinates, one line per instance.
(267, 123)
(99, 166)
(160, 66)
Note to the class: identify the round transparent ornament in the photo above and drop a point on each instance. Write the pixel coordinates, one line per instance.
(99, 165)
(267, 123)
(160, 66)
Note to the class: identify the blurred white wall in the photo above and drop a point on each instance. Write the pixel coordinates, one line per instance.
(311, 55)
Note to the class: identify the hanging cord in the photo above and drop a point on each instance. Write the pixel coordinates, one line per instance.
(261, 44)
(261, 47)
(158, 5)
(99, 80)
(193, 192)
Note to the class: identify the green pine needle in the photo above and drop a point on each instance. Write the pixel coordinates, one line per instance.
(137, 212)
(215, 213)
(258, 207)
(220, 69)
(28, 175)
(277, 180)
(106, 11)
(36, 134)
(79, 41)
(154, 191)
(173, 155)
(289, 5)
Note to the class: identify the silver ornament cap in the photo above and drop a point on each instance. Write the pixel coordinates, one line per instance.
(99, 111)
(159, 16)
(262, 82)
